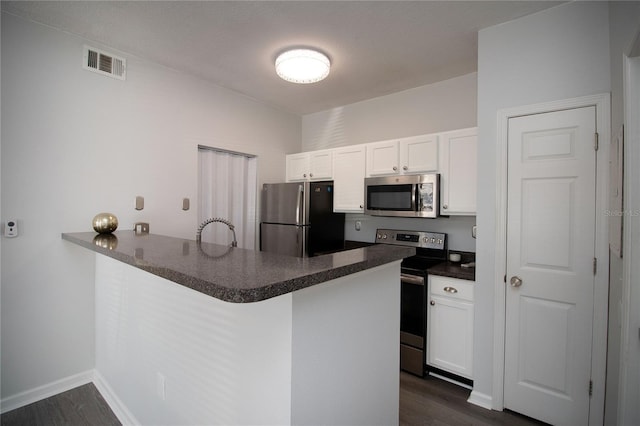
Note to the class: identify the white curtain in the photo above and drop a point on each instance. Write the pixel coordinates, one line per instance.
(227, 190)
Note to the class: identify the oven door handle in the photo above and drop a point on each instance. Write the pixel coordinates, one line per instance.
(412, 279)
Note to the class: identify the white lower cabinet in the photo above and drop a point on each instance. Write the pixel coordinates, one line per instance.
(450, 325)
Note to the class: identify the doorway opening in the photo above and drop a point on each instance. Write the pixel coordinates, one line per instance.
(227, 189)
(600, 291)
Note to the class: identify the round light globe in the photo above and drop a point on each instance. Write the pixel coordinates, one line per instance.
(302, 66)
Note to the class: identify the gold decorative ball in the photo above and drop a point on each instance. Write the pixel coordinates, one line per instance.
(105, 223)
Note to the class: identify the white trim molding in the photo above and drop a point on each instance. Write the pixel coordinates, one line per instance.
(45, 391)
(601, 291)
(54, 388)
(481, 400)
(117, 406)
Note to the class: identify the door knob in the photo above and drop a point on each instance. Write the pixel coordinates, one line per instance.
(515, 281)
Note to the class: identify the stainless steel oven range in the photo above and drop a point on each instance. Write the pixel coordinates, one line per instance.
(431, 249)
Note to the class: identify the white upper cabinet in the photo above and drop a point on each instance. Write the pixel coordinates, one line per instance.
(452, 154)
(316, 165)
(418, 154)
(348, 179)
(383, 158)
(458, 172)
(297, 167)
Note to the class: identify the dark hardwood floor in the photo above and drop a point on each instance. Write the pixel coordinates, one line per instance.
(82, 406)
(429, 401)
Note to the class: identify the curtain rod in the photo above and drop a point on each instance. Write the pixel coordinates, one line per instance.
(226, 151)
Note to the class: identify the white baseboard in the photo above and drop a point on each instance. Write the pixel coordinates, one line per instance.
(45, 391)
(119, 409)
(481, 400)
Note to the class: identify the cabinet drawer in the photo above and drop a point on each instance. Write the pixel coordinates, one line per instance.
(451, 287)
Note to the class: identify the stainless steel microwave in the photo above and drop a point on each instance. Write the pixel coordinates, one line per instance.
(404, 196)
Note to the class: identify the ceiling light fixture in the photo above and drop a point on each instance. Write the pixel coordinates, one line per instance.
(302, 66)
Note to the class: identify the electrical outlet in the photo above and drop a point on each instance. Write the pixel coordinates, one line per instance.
(11, 228)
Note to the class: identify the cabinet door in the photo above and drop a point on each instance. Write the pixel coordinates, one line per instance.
(382, 158)
(419, 154)
(297, 166)
(450, 335)
(348, 179)
(458, 172)
(320, 165)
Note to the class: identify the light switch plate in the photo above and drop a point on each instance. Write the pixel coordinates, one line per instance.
(11, 228)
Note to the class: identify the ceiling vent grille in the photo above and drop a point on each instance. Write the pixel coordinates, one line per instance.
(104, 63)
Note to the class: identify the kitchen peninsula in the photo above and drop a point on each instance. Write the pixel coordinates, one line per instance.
(190, 333)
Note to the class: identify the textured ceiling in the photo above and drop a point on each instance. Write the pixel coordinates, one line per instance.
(376, 47)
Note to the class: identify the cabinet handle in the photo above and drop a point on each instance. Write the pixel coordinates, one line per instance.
(432, 303)
(451, 290)
(304, 175)
(405, 168)
(361, 206)
(444, 206)
(310, 174)
(395, 169)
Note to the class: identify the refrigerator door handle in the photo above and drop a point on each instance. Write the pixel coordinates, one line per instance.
(299, 206)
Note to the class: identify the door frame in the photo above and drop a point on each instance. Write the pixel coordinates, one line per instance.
(601, 290)
(628, 387)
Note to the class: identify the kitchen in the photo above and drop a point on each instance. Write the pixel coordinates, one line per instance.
(150, 127)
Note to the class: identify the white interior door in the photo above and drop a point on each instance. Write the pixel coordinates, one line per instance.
(550, 265)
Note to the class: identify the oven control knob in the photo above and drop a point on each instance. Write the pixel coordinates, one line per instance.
(433, 240)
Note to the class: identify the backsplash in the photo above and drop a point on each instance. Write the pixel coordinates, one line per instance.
(457, 228)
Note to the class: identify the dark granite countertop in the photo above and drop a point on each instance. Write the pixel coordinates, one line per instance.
(232, 274)
(453, 270)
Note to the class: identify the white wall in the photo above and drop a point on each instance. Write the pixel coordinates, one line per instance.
(345, 359)
(74, 144)
(442, 106)
(559, 53)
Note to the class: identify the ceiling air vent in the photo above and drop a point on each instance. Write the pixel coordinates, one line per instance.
(104, 63)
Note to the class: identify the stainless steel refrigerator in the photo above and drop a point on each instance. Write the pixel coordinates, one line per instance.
(297, 219)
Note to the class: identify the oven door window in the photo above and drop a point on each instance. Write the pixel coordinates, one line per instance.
(412, 307)
(391, 197)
